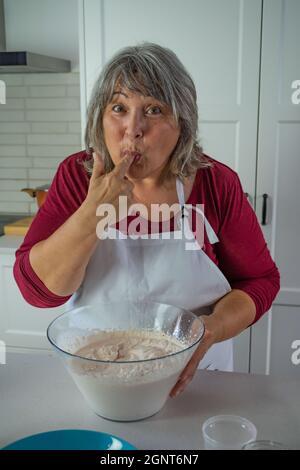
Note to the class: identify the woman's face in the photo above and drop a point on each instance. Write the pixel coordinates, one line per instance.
(134, 122)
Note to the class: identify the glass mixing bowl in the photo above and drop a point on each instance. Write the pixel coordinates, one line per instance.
(126, 390)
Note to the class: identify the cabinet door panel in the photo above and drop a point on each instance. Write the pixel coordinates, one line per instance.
(285, 341)
(21, 324)
(278, 176)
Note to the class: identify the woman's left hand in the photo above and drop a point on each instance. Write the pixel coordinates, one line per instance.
(210, 336)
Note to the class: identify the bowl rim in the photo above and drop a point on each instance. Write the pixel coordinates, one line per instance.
(64, 432)
(56, 347)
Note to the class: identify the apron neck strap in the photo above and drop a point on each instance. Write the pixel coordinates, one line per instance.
(180, 191)
(209, 230)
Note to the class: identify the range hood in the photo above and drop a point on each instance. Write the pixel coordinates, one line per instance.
(24, 61)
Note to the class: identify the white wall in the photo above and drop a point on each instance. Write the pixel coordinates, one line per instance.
(47, 27)
(39, 127)
(40, 122)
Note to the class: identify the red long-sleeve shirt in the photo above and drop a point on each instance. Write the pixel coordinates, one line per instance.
(241, 254)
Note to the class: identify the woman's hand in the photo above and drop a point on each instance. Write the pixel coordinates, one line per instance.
(212, 332)
(231, 315)
(106, 188)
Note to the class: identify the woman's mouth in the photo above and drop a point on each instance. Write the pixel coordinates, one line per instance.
(137, 155)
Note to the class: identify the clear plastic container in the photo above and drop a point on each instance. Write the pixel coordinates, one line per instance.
(227, 432)
(264, 445)
(125, 390)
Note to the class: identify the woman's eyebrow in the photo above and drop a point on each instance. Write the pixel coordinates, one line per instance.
(119, 93)
(114, 98)
(122, 93)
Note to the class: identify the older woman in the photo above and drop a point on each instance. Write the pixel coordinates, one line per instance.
(141, 142)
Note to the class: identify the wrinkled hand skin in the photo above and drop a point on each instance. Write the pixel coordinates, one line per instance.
(208, 340)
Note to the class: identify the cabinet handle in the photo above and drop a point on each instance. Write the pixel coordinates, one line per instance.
(264, 210)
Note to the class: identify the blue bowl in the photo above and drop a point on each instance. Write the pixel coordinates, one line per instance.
(70, 439)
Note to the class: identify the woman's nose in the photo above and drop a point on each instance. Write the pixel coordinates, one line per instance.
(135, 126)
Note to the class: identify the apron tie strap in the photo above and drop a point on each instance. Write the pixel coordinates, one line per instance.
(209, 230)
(184, 213)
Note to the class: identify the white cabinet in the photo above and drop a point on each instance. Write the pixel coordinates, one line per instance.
(21, 325)
(278, 174)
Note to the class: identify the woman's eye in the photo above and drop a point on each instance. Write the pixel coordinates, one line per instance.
(114, 108)
(156, 107)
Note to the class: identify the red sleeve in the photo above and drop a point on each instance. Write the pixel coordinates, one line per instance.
(66, 194)
(242, 252)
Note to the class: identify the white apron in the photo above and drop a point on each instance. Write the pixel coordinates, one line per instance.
(161, 270)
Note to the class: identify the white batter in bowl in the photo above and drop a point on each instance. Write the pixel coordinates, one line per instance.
(125, 357)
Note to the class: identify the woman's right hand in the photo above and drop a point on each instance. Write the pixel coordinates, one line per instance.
(105, 188)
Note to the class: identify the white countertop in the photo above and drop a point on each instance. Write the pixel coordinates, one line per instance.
(37, 395)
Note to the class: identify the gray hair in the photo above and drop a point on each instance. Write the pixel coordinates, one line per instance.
(153, 70)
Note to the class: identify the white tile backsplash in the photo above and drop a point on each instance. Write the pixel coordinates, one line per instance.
(14, 103)
(12, 151)
(51, 79)
(13, 79)
(53, 128)
(51, 103)
(13, 196)
(52, 116)
(48, 139)
(33, 208)
(12, 207)
(73, 127)
(12, 174)
(46, 162)
(48, 91)
(12, 185)
(17, 92)
(50, 150)
(45, 174)
(14, 162)
(7, 115)
(14, 127)
(36, 182)
(39, 127)
(73, 91)
(12, 139)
